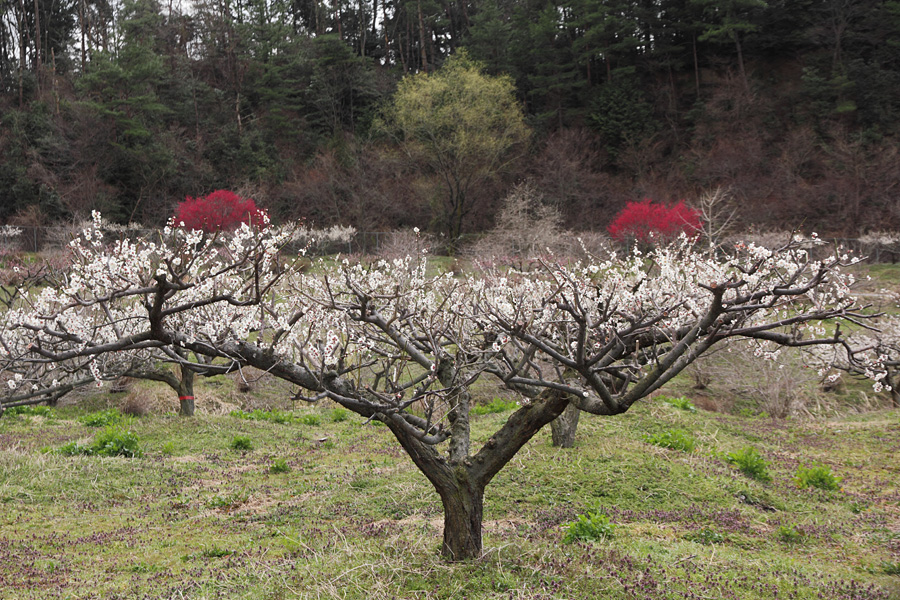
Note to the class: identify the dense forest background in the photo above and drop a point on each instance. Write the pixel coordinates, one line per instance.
(128, 107)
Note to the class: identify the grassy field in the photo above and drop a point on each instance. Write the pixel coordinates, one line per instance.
(325, 506)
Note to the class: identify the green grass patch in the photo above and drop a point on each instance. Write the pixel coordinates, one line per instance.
(273, 416)
(353, 518)
(309, 419)
(339, 414)
(590, 527)
(674, 439)
(751, 463)
(31, 411)
(681, 403)
(112, 441)
(241, 443)
(497, 405)
(102, 418)
(279, 465)
(819, 477)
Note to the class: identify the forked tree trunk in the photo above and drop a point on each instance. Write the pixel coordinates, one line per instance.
(562, 429)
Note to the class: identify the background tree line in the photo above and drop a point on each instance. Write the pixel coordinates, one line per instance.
(128, 107)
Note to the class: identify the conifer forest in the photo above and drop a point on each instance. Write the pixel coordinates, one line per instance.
(129, 106)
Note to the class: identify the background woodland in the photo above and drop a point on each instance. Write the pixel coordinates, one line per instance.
(128, 107)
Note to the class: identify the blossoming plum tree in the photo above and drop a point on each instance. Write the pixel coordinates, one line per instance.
(390, 342)
(626, 326)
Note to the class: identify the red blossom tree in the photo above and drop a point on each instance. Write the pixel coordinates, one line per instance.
(648, 222)
(222, 210)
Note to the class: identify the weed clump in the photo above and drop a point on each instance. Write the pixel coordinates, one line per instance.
(229, 501)
(309, 419)
(590, 527)
(497, 405)
(339, 414)
(34, 411)
(274, 416)
(279, 465)
(112, 441)
(681, 403)
(819, 477)
(674, 439)
(706, 536)
(102, 418)
(241, 443)
(790, 534)
(751, 463)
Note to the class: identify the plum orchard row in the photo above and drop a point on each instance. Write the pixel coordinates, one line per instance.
(390, 342)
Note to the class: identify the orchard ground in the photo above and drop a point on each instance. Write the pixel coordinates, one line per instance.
(327, 506)
(300, 502)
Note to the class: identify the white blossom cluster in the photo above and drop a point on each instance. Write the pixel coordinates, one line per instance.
(592, 327)
(10, 231)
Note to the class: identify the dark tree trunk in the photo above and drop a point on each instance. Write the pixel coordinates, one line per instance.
(696, 65)
(563, 428)
(740, 56)
(459, 481)
(186, 393)
(463, 503)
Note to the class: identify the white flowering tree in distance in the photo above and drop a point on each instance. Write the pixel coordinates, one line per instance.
(391, 342)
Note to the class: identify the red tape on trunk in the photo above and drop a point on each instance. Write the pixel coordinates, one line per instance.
(185, 397)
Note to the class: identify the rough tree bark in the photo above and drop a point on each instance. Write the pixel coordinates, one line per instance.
(563, 428)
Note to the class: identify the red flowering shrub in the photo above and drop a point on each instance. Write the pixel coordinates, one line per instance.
(221, 210)
(647, 222)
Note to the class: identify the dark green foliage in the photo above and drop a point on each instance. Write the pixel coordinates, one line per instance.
(166, 102)
(622, 115)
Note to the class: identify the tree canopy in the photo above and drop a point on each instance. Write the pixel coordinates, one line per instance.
(462, 124)
(391, 342)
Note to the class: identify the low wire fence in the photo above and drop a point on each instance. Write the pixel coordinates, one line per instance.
(41, 239)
